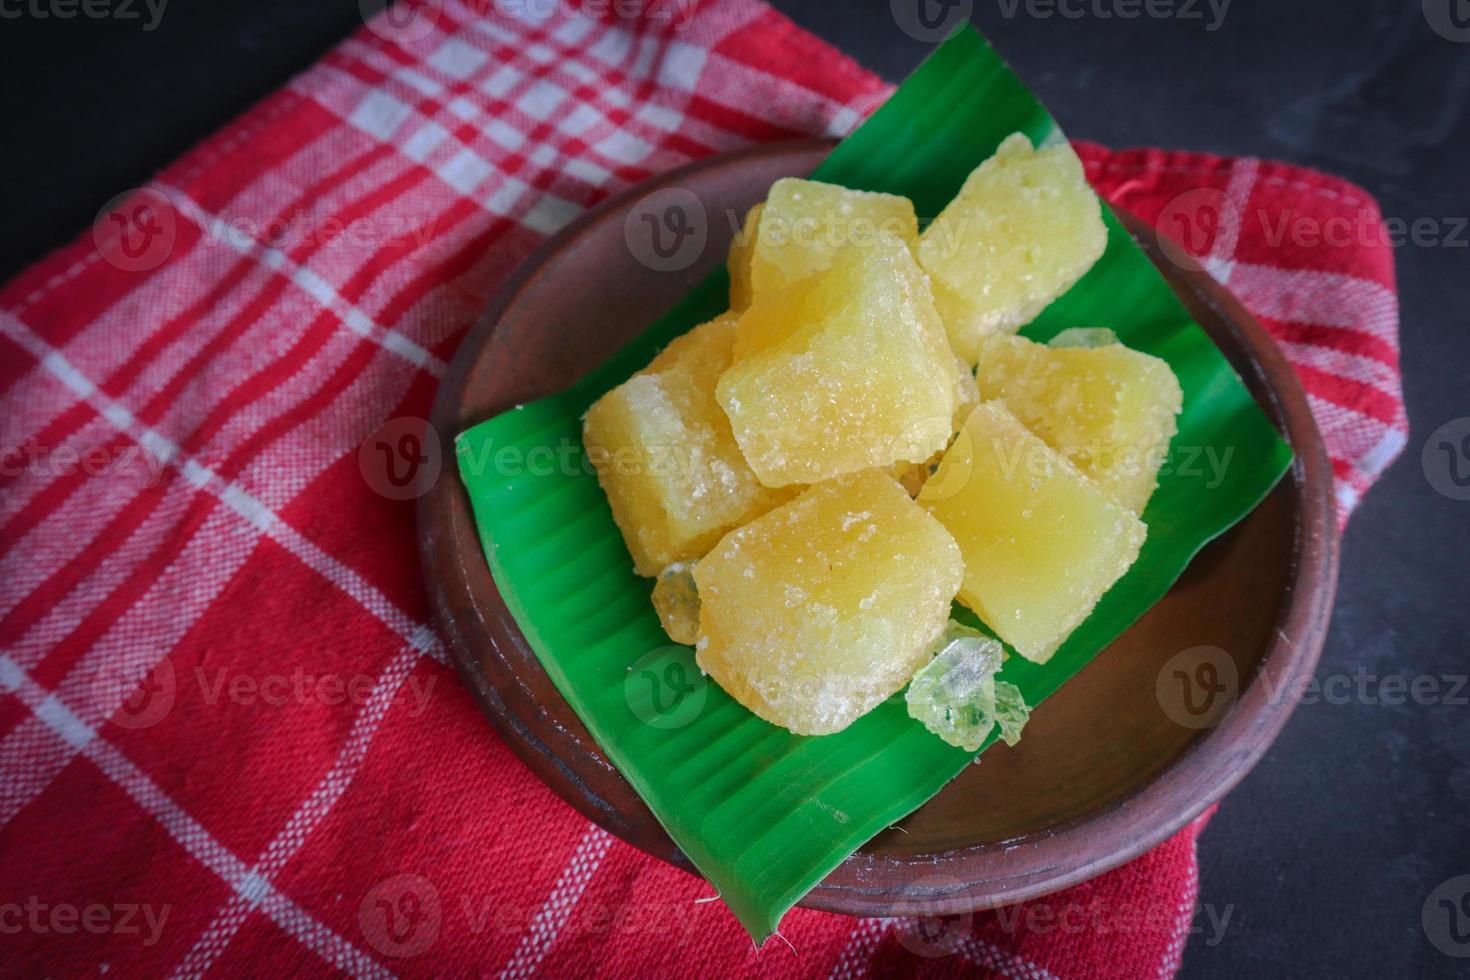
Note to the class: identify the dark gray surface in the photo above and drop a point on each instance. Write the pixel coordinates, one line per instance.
(1326, 853)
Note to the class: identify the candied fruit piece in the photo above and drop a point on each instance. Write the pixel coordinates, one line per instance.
(800, 228)
(1084, 337)
(1041, 542)
(665, 455)
(841, 372)
(1110, 410)
(1023, 228)
(676, 599)
(739, 263)
(957, 697)
(813, 613)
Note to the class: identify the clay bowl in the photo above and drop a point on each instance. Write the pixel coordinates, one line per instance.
(1103, 774)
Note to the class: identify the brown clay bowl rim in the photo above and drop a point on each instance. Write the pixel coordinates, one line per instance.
(975, 877)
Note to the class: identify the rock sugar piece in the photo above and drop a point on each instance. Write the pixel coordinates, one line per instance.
(676, 600)
(1042, 543)
(665, 455)
(1084, 337)
(1109, 410)
(1024, 227)
(815, 612)
(842, 371)
(957, 697)
(800, 228)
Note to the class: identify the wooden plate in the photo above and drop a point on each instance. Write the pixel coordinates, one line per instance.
(1104, 772)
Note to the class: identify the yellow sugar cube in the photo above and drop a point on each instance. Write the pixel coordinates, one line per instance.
(665, 455)
(1041, 542)
(1109, 410)
(1024, 227)
(842, 371)
(815, 612)
(801, 227)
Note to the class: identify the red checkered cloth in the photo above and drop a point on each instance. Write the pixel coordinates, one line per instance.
(228, 737)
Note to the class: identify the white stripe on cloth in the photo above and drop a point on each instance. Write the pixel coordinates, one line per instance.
(421, 640)
(1220, 263)
(309, 283)
(1354, 305)
(43, 550)
(171, 291)
(1349, 436)
(992, 957)
(188, 832)
(273, 478)
(161, 620)
(1329, 299)
(1357, 368)
(542, 932)
(240, 501)
(293, 836)
(856, 956)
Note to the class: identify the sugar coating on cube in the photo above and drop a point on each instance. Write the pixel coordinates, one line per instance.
(956, 695)
(666, 457)
(676, 600)
(738, 265)
(843, 371)
(1041, 542)
(1024, 227)
(800, 228)
(815, 612)
(1109, 410)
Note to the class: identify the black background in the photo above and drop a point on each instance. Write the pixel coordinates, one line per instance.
(1325, 854)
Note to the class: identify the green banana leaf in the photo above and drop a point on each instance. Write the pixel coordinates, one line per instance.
(762, 813)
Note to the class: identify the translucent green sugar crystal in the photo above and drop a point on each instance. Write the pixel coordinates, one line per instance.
(1084, 337)
(956, 694)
